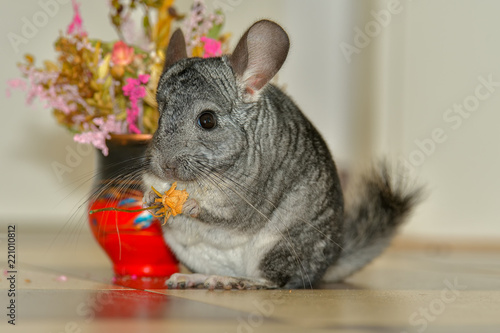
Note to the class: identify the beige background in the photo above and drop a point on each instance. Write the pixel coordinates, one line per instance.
(394, 92)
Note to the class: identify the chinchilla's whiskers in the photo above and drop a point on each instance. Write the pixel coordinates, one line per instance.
(96, 194)
(92, 175)
(127, 178)
(222, 181)
(126, 182)
(206, 172)
(255, 194)
(209, 177)
(125, 174)
(95, 174)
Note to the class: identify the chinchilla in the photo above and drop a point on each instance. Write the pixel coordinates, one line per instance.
(265, 207)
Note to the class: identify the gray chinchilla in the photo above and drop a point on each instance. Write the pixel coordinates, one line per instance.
(265, 207)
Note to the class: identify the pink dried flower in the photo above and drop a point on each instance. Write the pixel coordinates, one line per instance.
(84, 44)
(15, 84)
(63, 97)
(212, 47)
(76, 26)
(98, 133)
(122, 54)
(144, 78)
(134, 90)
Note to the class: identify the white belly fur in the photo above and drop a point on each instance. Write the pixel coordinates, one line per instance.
(212, 250)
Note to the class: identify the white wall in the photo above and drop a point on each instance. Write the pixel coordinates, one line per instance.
(426, 60)
(391, 93)
(448, 47)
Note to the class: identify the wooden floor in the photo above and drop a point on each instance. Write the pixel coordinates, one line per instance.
(64, 285)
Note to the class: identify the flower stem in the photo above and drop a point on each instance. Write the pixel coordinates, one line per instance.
(122, 210)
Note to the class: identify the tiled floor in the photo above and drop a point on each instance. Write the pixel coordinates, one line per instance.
(413, 287)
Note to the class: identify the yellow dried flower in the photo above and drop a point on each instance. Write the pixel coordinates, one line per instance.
(172, 202)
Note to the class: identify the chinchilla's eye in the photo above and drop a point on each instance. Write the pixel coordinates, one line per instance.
(207, 120)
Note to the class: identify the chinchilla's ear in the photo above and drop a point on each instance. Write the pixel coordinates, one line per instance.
(176, 49)
(259, 56)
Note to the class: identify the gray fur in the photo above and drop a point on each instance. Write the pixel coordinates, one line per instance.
(263, 182)
(376, 205)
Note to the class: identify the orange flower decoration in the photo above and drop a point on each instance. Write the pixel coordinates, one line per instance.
(172, 202)
(122, 54)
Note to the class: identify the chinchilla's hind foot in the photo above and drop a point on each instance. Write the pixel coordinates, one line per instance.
(211, 282)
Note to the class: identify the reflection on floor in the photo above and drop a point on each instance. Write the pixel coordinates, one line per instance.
(64, 285)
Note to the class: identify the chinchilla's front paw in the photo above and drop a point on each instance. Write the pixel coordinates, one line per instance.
(191, 208)
(148, 199)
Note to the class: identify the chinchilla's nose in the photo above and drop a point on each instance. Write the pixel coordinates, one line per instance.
(169, 167)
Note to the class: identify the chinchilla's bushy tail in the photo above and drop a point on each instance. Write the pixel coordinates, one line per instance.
(374, 208)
